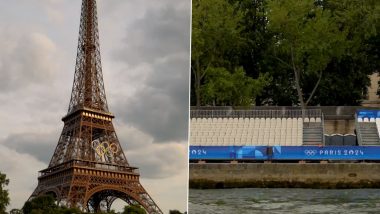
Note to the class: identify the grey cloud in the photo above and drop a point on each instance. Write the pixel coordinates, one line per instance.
(159, 161)
(21, 169)
(160, 106)
(131, 138)
(40, 146)
(25, 60)
(159, 33)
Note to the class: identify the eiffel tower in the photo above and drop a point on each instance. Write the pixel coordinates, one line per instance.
(89, 169)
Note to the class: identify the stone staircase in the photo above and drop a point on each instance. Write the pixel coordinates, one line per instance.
(312, 134)
(368, 134)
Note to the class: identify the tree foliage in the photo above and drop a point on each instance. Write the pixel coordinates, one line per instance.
(133, 209)
(4, 195)
(215, 38)
(303, 52)
(174, 212)
(46, 204)
(347, 79)
(231, 88)
(308, 38)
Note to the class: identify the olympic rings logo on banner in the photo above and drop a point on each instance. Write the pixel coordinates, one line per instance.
(310, 152)
(104, 148)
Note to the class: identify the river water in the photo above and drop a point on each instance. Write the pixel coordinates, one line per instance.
(266, 201)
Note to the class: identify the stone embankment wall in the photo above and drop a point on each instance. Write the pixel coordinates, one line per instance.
(285, 175)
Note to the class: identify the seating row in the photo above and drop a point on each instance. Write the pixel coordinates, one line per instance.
(247, 131)
(252, 120)
(255, 141)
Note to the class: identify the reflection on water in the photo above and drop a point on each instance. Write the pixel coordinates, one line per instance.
(265, 201)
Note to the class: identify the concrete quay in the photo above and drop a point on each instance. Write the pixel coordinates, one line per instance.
(284, 175)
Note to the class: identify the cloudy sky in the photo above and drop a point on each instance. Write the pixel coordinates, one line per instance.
(145, 57)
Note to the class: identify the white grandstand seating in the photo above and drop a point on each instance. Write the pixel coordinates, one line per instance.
(248, 131)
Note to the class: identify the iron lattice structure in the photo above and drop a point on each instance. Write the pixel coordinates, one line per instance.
(89, 169)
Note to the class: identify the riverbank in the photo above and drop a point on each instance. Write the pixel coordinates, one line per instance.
(284, 175)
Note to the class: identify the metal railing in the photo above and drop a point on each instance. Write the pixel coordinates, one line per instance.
(89, 164)
(283, 113)
(358, 131)
(323, 130)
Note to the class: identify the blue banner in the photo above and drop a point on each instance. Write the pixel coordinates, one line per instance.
(362, 113)
(228, 152)
(326, 153)
(284, 153)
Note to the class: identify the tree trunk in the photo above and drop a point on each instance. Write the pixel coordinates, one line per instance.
(197, 86)
(297, 81)
(198, 91)
(299, 89)
(314, 89)
(298, 85)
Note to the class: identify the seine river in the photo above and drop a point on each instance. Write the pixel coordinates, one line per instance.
(265, 201)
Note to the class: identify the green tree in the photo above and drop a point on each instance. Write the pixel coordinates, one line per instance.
(66, 210)
(307, 39)
(346, 80)
(254, 54)
(174, 212)
(254, 35)
(318, 52)
(133, 209)
(4, 195)
(41, 204)
(215, 38)
(46, 204)
(236, 89)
